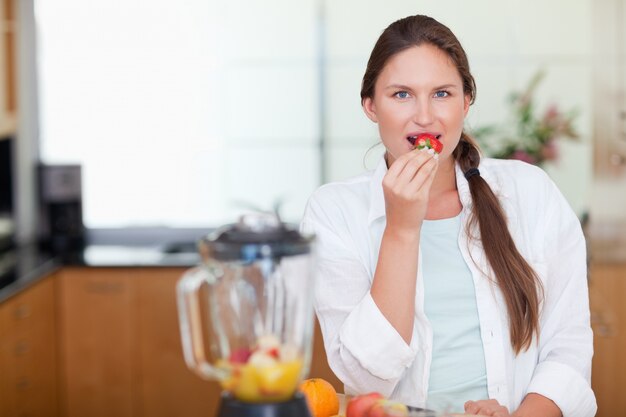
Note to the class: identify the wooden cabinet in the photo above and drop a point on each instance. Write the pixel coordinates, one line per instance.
(319, 362)
(166, 387)
(104, 342)
(97, 333)
(608, 315)
(121, 349)
(28, 353)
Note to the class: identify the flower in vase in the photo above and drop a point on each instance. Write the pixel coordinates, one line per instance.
(527, 136)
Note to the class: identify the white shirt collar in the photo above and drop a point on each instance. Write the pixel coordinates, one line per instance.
(377, 199)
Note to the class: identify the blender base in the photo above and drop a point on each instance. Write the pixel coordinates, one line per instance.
(295, 407)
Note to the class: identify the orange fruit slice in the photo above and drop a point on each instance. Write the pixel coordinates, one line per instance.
(321, 397)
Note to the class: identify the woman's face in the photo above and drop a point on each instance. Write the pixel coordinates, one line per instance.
(418, 91)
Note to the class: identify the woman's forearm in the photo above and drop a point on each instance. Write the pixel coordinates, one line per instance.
(393, 289)
(537, 405)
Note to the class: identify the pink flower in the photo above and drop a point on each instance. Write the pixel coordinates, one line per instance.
(550, 150)
(523, 156)
(551, 113)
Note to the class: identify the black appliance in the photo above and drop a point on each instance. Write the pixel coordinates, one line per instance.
(61, 209)
(6, 194)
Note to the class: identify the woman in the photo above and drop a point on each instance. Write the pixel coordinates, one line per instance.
(449, 281)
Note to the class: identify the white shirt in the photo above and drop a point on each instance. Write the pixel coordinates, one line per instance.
(368, 354)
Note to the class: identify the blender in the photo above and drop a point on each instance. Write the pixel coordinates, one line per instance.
(246, 315)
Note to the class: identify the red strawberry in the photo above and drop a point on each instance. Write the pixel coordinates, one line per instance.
(426, 140)
(436, 145)
(273, 352)
(239, 355)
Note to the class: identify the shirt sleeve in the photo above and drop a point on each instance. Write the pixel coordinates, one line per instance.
(363, 349)
(563, 373)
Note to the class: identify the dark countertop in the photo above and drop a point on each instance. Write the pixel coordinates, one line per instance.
(22, 267)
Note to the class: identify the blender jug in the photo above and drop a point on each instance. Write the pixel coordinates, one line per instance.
(246, 314)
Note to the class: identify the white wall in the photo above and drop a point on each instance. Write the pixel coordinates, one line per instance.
(248, 128)
(608, 197)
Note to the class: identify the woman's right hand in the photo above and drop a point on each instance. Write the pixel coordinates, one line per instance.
(406, 188)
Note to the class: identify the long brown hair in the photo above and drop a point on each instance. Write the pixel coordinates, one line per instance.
(518, 282)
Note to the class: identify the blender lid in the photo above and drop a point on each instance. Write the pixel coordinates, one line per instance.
(257, 235)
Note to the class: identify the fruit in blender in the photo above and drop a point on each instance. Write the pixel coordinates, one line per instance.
(268, 373)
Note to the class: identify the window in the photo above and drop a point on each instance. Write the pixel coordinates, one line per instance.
(180, 115)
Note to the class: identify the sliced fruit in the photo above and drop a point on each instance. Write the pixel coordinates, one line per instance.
(240, 355)
(359, 406)
(388, 408)
(266, 381)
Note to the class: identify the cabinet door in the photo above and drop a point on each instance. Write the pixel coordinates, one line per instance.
(7, 366)
(96, 319)
(28, 354)
(608, 314)
(167, 388)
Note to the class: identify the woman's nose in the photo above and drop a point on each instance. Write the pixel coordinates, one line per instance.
(423, 113)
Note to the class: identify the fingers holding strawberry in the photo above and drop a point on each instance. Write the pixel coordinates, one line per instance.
(406, 188)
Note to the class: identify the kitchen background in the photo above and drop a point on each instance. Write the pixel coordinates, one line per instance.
(178, 115)
(183, 114)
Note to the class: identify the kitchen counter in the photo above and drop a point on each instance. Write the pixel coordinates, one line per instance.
(22, 267)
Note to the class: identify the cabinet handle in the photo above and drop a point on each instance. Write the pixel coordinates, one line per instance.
(601, 323)
(104, 287)
(23, 383)
(21, 348)
(22, 312)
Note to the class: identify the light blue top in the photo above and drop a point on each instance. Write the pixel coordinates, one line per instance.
(457, 372)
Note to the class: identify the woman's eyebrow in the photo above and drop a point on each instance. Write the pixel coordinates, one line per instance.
(398, 87)
(446, 86)
(405, 87)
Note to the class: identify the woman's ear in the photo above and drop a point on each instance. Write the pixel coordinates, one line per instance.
(370, 109)
(466, 105)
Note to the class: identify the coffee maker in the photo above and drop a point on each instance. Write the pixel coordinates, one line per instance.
(61, 209)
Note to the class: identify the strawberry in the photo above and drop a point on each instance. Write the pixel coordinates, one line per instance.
(426, 140)
(240, 355)
(274, 352)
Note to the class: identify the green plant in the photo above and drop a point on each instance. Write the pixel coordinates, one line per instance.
(526, 136)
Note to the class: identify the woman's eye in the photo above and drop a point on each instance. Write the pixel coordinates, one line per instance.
(441, 94)
(402, 94)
